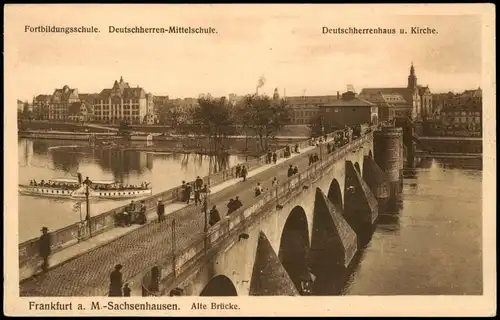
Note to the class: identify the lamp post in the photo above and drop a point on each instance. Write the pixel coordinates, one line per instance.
(205, 213)
(87, 182)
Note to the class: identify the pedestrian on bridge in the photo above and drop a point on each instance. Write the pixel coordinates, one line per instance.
(197, 198)
(290, 171)
(44, 248)
(258, 190)
(188, 192)
(237, 203)
(274, 182)
(142, 219)
(115, 282)
(160, 211)
(244, 173)
(214, 216)
(297, 148)
(275, 157)
(295, 170)
(238, 170)
(198, 183)
(311, 159)
(230, 206)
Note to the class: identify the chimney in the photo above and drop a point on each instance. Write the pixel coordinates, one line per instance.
(338, 95)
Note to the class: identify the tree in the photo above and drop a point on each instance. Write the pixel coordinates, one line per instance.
(214, 119)
(265, 116)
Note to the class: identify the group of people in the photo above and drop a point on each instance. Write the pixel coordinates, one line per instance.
(196, 188)
(288, 150)
(241, 171)
(233, 205)
(271, 157)
(51, 184)
(292, 171)
(313, 158)
(131, 215)
(116, 286)
(142, 186)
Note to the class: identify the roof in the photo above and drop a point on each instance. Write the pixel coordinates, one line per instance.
(126, 93)
(88, 96)
(356, 102)
(311, 99)
(388, 95)
(64, 94)
(43, 97)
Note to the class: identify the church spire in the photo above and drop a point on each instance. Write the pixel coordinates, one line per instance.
(412, 78)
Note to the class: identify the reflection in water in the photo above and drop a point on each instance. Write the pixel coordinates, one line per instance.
(431, 246)
(38, 159)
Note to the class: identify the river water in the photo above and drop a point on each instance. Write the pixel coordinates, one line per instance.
(433, 246)
(48, 159)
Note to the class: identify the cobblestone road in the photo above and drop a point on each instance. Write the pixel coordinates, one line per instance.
(88, 274)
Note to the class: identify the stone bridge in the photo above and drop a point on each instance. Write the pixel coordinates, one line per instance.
(308, 227)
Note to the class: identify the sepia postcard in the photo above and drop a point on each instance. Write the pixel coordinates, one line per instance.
(249, 160)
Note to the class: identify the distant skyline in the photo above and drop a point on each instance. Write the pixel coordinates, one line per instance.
(285, 44)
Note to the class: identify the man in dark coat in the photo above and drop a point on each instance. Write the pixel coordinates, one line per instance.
(237, 203)
(160, 211)
(115, 282)
(244, 173)
(295, 170)
(230, 206)
(290, 171)
(198, 183)
(188, 192)
(44, 248)
(238, 170)
(275, 157)
(141, 219)
(214, 216)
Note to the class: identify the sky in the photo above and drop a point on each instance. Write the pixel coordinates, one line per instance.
(285, 44)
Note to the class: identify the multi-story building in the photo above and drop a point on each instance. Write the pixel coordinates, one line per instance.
(349, 110)
(41, 106)
(458, 115)
(304, 109)
(60, 102)
(414, 101)
(123, 102)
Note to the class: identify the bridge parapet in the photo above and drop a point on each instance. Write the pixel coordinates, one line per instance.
(234, 225)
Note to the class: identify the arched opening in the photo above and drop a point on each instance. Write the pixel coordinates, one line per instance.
(370, 154)
(219, 286)
(335, 195)
(294, 246)
(358, 168)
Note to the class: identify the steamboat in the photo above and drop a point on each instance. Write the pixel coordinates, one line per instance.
(75, 189)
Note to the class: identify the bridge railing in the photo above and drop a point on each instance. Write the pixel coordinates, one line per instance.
(83, 230)
(181, 258)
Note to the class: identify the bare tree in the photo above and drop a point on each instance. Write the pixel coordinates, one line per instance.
(265, 116)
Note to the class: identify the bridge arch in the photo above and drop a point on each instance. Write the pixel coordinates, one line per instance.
(335, 194)
(294, 245)
(219, 286)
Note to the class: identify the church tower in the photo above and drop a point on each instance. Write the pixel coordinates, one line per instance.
(412, 78)
(276, 95)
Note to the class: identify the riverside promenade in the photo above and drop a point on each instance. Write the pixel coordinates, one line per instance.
(83, 268)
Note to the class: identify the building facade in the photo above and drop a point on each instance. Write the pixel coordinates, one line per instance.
(349, 110)
(60, 103)
(413, 101)
(304, 109)
(41, 105)
(457, 115)
(124, 103)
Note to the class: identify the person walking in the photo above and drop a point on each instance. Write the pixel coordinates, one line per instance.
(198, 183)
(142, 219)
(183, 191)
(237, 203)
(274, 183)
(244, 173)
(230, 206)
(197, 198)
(115, 282)
(290, 171)
(295, 170)
(311, 159)
(258, 190)
(238, 170)
(214, 216)
(160, 211)
(275, 157)
(44, 248)
(188, 192)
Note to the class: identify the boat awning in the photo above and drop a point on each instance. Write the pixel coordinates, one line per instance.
(103, 182)
(64, 180)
